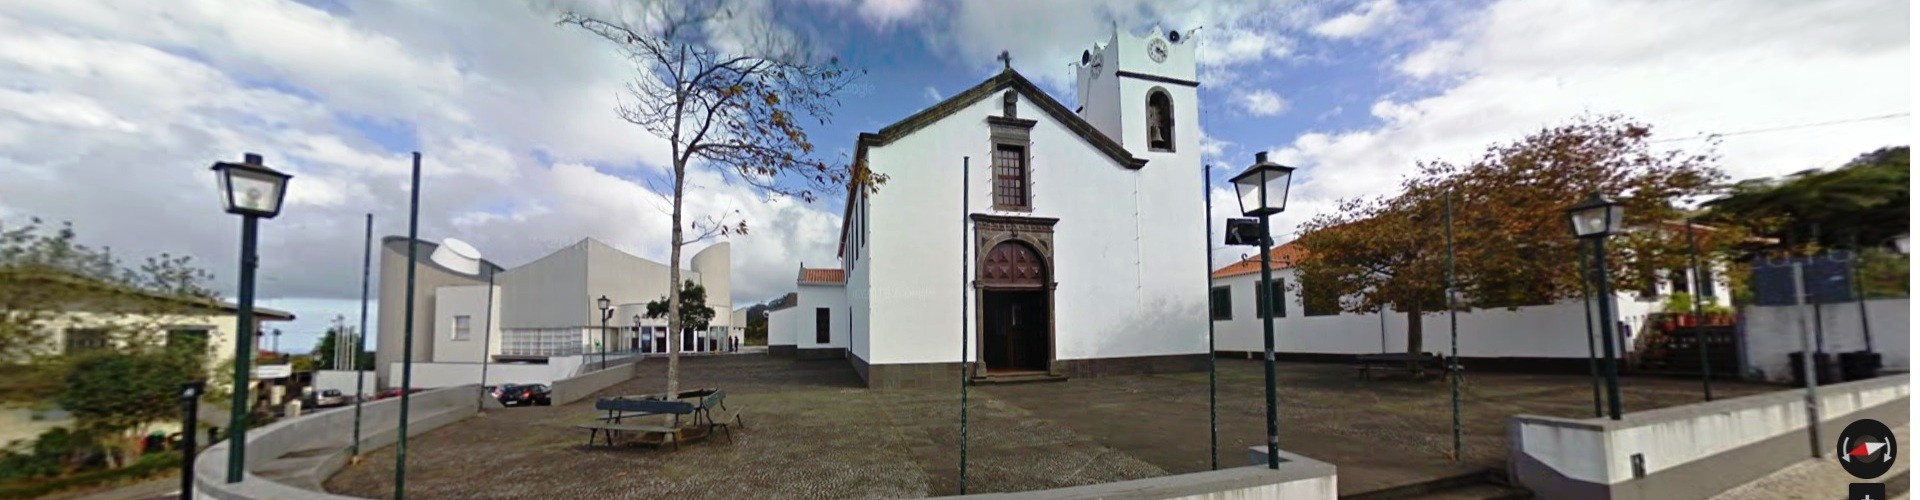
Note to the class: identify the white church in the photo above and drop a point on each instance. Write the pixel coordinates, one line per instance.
(1029, 238)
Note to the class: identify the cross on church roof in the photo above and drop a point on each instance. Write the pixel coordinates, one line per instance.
(1005, 59)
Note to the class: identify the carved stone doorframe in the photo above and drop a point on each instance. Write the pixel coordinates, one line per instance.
(1035, 232)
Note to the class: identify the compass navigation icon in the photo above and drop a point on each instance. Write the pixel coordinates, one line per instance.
(1866, 449)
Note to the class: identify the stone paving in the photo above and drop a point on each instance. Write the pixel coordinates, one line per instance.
(813, 431)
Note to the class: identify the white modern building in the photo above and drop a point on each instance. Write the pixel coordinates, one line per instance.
(1547, 337)
(1038, 239)
(539, 321)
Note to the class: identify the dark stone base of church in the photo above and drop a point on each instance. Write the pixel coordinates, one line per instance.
(908, 375)
(1138, 365)
(925, 375)
(820, 353)
(780, 351)
(1544, 366)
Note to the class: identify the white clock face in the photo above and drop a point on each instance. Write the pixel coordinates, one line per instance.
(1157, 50)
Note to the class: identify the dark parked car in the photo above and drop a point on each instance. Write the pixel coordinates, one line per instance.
(523, 394)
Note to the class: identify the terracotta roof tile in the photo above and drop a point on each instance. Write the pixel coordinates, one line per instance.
(1284, 256)
(825, 276)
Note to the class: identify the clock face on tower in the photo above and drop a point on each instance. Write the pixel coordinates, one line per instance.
(1157, 50)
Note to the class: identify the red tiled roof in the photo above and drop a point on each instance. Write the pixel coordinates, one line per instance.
(827, 276)
(1284, 256)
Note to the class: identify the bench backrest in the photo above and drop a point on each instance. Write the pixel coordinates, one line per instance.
(713, 400)
(642, 405)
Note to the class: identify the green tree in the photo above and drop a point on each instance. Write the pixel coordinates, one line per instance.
(1863, 203)
(694, 313)
(117, 393)
(1509, 222)
(728, 92)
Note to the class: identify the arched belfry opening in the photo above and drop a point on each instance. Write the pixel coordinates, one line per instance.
(1159, 120)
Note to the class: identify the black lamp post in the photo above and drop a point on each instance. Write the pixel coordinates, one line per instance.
(252, 191)
(189, 425)
(1594, 220)
(636, 334)
(606, 313)
(1263, 192)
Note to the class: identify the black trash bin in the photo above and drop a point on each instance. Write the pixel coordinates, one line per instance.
(1823, 368)
(1859, 365)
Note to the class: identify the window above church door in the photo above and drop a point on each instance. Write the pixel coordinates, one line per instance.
(1159, 120)
(1010, 178)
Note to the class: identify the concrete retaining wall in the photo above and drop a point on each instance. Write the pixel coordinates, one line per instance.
(568, 390)
(1297, 478)
(1692, 451)
(319, 441)
(1772, 332)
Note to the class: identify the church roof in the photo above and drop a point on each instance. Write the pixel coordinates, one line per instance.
(1007, 78)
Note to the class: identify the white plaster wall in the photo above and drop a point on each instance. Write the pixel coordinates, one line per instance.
(1600, 451)
(1550, 331)
(715, 267)
(471, 301)
(813, 297)
(1127, 286)
(1773, 331)
(781, 327)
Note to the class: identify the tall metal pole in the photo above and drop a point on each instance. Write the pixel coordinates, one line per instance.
(1213, 411)
(1610, 368)
(360, 336)
(1266, 322)
(242, 353)
(1812, 399)
(965, 371)
(406, 357)
(1699, 329)
(1453, 327)
(1860, 290)
(603, 337)
(486, 342)
(1586, 305)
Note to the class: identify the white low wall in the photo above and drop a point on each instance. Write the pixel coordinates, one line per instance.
(1297, 478)
(573, 389)
(1774, 331)
(342, 380)
(1727, 441)
(331, 430)
(431, 375)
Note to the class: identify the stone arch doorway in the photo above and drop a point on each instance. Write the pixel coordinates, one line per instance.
(1016, 310)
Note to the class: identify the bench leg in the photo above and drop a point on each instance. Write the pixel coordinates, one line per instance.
(591, 434)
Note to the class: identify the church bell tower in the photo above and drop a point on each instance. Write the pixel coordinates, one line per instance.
(1141, 90)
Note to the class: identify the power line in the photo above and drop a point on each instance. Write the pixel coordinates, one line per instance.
(1786, 127)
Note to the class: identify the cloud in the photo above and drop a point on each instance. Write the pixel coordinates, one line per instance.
(110, 115)
(1261, 102)
(885, 13)
(1687, 69)
(1363, 20)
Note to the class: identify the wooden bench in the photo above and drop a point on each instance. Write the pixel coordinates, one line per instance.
(724, 420)
(1366, 362)
(609, 429)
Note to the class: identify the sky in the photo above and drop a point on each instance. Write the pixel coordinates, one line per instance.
(111, 112)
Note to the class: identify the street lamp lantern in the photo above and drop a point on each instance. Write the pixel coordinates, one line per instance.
(1263, 187)
(605, 304)
(250, 188)
(252, 191)
(1597, 217)
(1263, 192)
(1594, 220)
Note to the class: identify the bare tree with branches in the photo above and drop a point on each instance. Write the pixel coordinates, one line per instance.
(728, 90)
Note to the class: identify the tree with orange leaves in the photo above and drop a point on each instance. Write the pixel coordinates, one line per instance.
(1512, 245)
